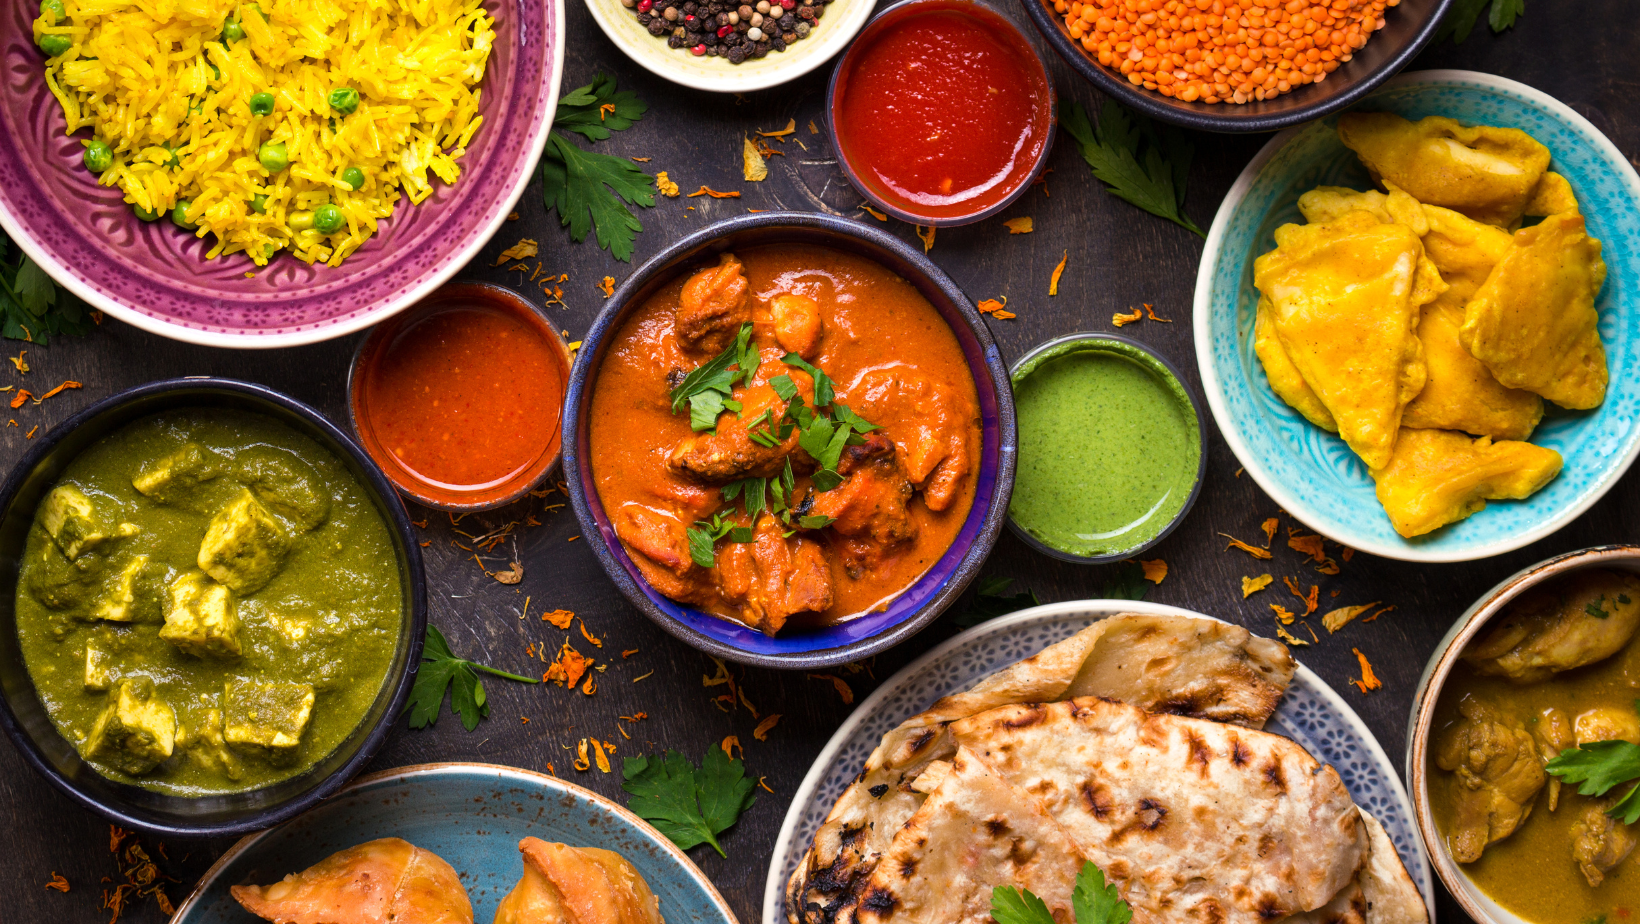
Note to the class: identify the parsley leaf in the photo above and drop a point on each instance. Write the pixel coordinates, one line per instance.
(1461, 18)
(1128, 583)
(690, 806)
(584, 110)
(842, 414)
(704, 536)
(440, 670)
(784, 387)
(816, 521)
(1094, 902)
(751, 491)
(1155, 182)
(1018, 906)
(590, 190)
(1598, 766)
(32, 308)
(823, 389)
(992, 600)
(1595, 609)
(708, 387)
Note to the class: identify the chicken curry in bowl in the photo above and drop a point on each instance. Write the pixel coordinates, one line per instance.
(1535, 752)
(788, 438)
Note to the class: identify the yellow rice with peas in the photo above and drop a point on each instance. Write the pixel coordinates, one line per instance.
(373, 92)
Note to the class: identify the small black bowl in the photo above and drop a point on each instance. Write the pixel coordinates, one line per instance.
(23, 716)
(1408, 27)
(935, 590)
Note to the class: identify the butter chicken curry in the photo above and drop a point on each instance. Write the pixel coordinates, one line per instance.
(791, 435)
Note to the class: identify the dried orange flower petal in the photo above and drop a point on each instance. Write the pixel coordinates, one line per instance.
(1252, 585)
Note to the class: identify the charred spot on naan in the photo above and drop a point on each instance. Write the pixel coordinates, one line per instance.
(878, 790)
(1097, 799)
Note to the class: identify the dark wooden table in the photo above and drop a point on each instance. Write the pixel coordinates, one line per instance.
(1119, 257)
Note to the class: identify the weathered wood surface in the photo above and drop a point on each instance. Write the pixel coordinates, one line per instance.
(1119, 257)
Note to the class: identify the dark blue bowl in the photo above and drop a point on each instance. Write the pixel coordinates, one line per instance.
(23, 716)
(936, 589)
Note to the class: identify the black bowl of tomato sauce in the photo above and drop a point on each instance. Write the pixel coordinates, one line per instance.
(941, 112)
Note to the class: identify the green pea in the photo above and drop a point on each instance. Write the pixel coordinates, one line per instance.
(232, 31)
(261, 104)
(328, 219)
(54, 9)
(145, 214)
(343, 100)
(353, 177)
(55, 46)
(300, 221)
(259, 204)
(273, 157)
(174, 161)
(179, 215)
(98, 155)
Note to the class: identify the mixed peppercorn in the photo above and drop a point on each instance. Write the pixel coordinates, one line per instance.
(727, 28)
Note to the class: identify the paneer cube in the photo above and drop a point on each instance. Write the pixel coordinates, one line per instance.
(202, 741)
(137, 730)
(99, 667)
(266, 716)
(118, 602)
(72, 521)
(168, 477)
(245, 545)
(201, 618)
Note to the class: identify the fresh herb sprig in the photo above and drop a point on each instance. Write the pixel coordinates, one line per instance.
(706, 390)
(1600, 766)
(992, 600)
(1094, 900)
(441, 670)
(1461, 18)
(591, 191)
(1140, 162)
(32, 307)
(690, 805)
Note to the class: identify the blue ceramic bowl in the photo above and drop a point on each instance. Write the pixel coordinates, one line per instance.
(1311, 473)
(936, 589)
(472, 815)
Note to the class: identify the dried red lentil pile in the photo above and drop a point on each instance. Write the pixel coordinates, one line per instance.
(1215, 51)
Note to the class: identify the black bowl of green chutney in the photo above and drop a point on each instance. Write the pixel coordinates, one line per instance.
(212, 608)
(1112, 449)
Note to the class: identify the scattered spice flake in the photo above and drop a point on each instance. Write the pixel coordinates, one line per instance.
(524, 720)
(12, 422)
(996, 309)
(1283, 615)
(591, 686)
(1254, 551)
(1150, 312)
(812, 129)
(790, 129)
(927, 236)
(18, 399)
(1042, 181)
(32, 432)
(761, 732)
(22, 369)
(634, 717)
(840, 685)
(1349, 553)
(622, 729)
(873, 212)
(640, 160)
(730, 745)
(709, 191)
(1058, 271)
(1155, 570)
(755, 211)
(628, 653)
(603, 759)
(1381, 612)
(1309, 599)
(607, 286)
(1270, 525)
(522, 250)
(1307, 545)
(559, 618)
(1289, 638)
(1239, 471)
(642, 676)
(589, 636)
(511, 576)
(1019, 225)
(512, 216)
(1122, 320)
(57, 882)
(583, 763)
(664, 183)
(753, 169)
(1339, 618)
(763, 782)
(604, 110)
(1327, 567)
(1252, 585)
(567, 669)
(1369, 680)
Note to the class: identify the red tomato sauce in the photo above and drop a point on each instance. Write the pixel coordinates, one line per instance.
(461, 404)
(944, 111)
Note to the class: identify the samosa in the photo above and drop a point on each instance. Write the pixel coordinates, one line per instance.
(387, 881)
(577, 885)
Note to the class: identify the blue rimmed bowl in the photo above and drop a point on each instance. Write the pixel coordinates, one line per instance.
(1311, 473)
(940, 586)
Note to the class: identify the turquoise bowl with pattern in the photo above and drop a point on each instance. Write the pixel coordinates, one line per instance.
(1310, 472)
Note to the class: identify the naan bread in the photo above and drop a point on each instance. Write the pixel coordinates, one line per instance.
(1234, 677)
(1392, 896)
(1192, 820)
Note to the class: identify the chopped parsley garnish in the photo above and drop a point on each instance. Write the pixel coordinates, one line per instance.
(1094, 900)
(705, 535)
(706, 390)
(592, 190)
(992, 599)
(815, 522)
(1595, 609)
(441, 670)
(690, 806)
(823, 390)
(32, 307)
(1155, 182)
(1597, 768)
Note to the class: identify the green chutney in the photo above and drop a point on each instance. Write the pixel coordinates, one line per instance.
(1109, 448)
(209, 602)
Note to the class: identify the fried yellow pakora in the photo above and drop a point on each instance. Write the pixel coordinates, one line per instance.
(1285, 379)
(1438, 477)
(1460, 394)
(1552, 196)
(1328, 203)
(1485, 172)
(1533, 322)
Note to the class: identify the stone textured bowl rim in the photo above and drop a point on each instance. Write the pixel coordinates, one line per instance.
(502, 773)
(1421, 723)
(661, 268)
(1289, 497)
(523, 172)
(1334, 92)
(398, 688)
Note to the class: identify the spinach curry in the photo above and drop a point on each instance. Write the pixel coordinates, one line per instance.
(208, 602)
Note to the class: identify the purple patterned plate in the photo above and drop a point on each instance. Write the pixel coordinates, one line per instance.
(157, 278)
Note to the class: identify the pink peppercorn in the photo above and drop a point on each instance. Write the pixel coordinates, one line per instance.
(645, 6)
(725, 30)
(699, 50)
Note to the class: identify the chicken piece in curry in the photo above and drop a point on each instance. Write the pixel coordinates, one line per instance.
(788, 437)
(1535, 747)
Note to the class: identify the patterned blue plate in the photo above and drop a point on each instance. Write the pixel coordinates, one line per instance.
(472, 815)
(1310, 714)
(1310, 472)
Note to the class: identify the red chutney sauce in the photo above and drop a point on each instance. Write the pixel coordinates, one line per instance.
(943, 110)
(460, 400)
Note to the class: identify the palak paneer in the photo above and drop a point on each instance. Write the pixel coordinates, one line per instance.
(208, 602)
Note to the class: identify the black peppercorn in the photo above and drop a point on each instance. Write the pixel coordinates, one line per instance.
(657, 26)
(737, 54)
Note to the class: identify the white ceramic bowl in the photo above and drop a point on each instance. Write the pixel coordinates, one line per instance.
(842, 19)
(1477, 903)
